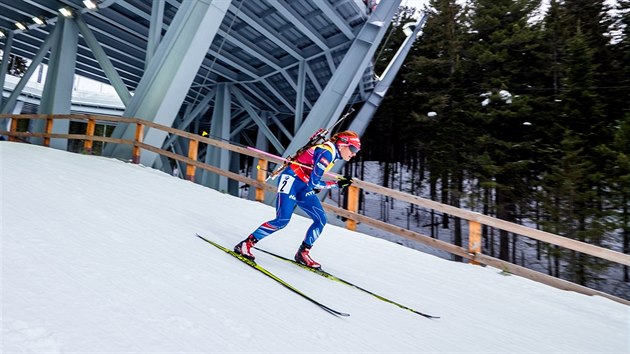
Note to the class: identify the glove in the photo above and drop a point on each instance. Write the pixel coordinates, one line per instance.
(344, 182)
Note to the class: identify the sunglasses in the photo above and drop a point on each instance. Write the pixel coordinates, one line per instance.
(355, 150)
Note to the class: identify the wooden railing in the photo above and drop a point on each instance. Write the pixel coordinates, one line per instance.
(475, 220)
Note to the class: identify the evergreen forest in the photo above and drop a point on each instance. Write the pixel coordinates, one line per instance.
(518, 109)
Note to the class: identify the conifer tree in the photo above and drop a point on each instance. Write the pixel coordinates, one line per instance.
(621, 143)
(576, 180)
(500, 57)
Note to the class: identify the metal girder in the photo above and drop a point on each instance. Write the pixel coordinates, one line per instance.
(220, 128)
(328, 10)
(104, 62)
(37, 59)
(57, 93)
(363, 118)
(242, 125)
(277, 94)
(164, 85)
(258, 94)
(281, 126)
(199, 109)
(345, 79)
(135, 29)
(133, 9)
(155, 30)
(248, 46)
(299, 97)
(6, 54)
(293, 17)
(116, 38)
(272, 35)
(314, 81)
(233, 61)
(262, 125)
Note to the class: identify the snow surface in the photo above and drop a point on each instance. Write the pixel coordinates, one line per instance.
(100, 256)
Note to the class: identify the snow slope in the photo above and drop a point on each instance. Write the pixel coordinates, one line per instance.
(100, 256)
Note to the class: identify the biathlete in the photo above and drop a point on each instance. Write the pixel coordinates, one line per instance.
(298, 185)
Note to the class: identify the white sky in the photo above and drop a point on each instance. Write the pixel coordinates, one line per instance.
(100, 256)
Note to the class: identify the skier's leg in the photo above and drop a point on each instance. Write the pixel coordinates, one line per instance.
(285, 203)
(284, 209)
(313, 208)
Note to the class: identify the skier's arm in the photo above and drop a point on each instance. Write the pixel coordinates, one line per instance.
(321, 161)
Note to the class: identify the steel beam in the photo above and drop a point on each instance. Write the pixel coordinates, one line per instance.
(262, 124)
(362, 119)
(57, 92)
(220, 128)
(37, 59)
(200, 109)
(103, 61)
(6, 55)
(172, 70)
(155, 30)
(299, 97)
(344, 81)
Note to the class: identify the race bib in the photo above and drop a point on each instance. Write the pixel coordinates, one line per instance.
(285, 184)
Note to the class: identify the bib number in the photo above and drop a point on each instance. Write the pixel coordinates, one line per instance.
(285, 184)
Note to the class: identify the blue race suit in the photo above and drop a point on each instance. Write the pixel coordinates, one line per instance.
(296, 187)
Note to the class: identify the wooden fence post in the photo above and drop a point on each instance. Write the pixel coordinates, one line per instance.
(192, 154)
(88, 144)
(260, 177)
(13, 129)
(353, 206)
(474, 239)
(48, 130)
(138, 139)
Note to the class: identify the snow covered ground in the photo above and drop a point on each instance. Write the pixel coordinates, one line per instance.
(100, 256)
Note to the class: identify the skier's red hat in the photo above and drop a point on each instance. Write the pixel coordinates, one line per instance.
(350, 139)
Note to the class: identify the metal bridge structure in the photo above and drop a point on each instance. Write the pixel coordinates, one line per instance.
(266, 73)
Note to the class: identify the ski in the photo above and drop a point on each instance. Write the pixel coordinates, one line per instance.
(264, 271)
(325, 274)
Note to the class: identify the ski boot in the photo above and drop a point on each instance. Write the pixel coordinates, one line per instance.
(244, 248)
(302, 256)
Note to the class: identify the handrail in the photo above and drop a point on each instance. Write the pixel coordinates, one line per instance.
(473, 253)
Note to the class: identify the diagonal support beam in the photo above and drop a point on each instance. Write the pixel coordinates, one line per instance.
(166, 81)
(155, 30)
(329, 11)
(4, 66)
(37, 59)
(220, 128)
(262, 125)
(57, 93)
(339, 89)
(363, 118)
(103, 60)
(287, 12)
(199, 109)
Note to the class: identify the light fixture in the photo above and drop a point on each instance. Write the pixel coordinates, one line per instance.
(20, 25)
(90, 4)
(2, 35)
(66, 12)
(38, 20)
